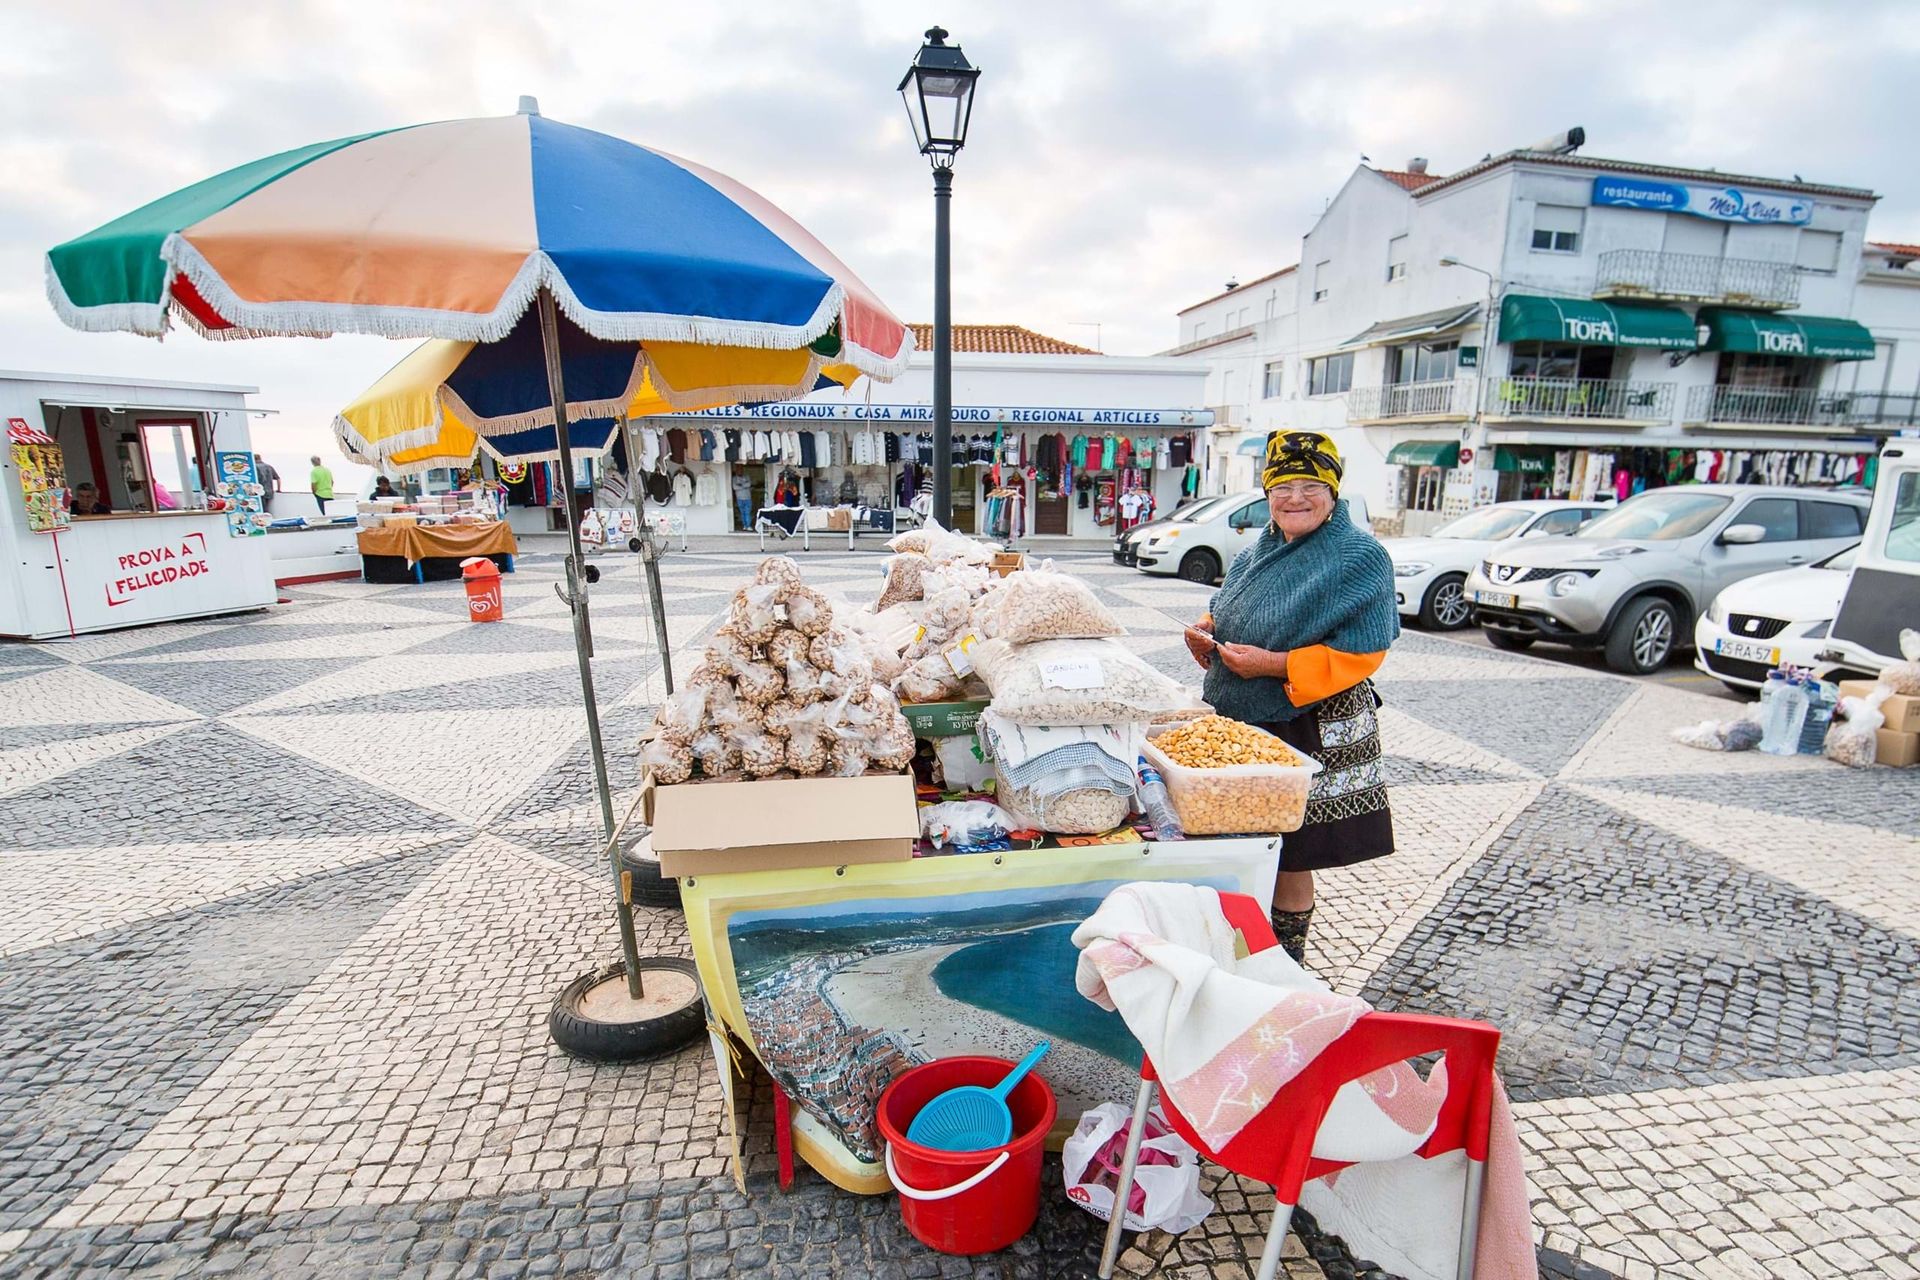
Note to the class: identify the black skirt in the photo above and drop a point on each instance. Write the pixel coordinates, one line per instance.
(1348, 819)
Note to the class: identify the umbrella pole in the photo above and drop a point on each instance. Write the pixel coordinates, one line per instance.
(650, 560)
(582, 629)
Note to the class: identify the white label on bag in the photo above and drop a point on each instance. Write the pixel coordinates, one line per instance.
(957, 657)
(1072, 673)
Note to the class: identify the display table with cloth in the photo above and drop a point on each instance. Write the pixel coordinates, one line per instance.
(837, 979)
(783, 523)
(418, 552)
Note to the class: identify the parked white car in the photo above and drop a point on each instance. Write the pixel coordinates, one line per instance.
(1200, 550)
(1755, 625)
(1430, 573)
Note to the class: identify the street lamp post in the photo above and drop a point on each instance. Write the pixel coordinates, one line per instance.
(938, 91)
(1477, 431)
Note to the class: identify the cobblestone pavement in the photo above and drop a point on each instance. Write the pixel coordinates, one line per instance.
(289, 895)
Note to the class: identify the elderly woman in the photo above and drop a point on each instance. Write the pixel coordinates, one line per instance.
(1302, 621)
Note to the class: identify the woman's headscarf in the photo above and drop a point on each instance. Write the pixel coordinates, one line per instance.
(1307, 455)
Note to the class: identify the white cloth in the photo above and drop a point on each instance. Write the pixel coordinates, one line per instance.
(682, 489)
(823, 448)
(706, 489)
(649, 448)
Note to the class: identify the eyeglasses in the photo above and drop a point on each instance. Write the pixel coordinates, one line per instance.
(1302, 489)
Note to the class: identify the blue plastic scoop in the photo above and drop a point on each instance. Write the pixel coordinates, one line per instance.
(972, 1118)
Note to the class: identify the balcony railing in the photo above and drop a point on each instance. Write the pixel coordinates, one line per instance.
(1645, 273)
(1579, 398)
(1802, 407)
(1408, 400)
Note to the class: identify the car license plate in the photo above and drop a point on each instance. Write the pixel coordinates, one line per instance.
(1748, 651)
(1498, 599)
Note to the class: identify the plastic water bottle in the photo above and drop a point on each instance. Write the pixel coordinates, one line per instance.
(1770, 690)
(1158, 805)
(1821, 698)
(1785, 717)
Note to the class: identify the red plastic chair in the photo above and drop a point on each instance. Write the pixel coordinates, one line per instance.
(1277, 1145)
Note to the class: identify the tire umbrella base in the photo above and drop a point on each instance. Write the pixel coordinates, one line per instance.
(596, 1017)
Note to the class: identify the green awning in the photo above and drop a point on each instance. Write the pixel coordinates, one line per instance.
(1814, 337)
(1424, 453)
(1507, 457)
(1526, 317)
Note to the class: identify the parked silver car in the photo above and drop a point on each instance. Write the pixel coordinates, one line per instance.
(1634, 580)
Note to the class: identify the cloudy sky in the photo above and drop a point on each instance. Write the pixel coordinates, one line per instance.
(1125, 160)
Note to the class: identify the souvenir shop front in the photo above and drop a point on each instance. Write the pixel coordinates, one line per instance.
(1044, 446)
(1544, 465)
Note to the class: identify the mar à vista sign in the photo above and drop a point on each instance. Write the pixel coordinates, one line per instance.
(1721, 204)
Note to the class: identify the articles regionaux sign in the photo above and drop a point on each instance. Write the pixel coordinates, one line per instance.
(158, 567)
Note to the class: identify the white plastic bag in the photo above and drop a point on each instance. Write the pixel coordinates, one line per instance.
(1853, 741)
(963, 765)
(1904, 677)
(1166, 1181)
(965, 823)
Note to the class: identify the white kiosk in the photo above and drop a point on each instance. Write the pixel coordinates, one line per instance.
(170, 532)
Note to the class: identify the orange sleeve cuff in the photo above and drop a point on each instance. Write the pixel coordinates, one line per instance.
(1317, 672)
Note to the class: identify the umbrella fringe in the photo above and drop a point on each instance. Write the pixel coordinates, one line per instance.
(615, 406)
(723, 397)
(300, 319)
(878, 367)
(577, 449)
(400, 442)
(148, 319)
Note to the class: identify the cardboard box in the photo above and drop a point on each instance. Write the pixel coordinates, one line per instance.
(943, 719)
(706, 828)
(1896, 749)
(1006, 562)
(1902, 712)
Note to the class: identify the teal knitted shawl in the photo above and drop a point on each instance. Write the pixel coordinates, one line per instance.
(1332, 587)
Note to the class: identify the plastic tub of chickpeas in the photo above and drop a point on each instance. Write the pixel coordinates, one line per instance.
(1229, 778)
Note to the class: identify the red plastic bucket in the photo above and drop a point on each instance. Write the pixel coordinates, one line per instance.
(966, 1201)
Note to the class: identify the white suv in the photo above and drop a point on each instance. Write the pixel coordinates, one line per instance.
(1430, 573)
(1200, 550)
(1633, 581)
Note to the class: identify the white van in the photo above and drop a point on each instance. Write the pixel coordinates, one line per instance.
(1883, 596)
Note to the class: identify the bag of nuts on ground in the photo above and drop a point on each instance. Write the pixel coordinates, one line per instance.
(1229, 778)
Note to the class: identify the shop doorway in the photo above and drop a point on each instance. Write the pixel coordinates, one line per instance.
(1052, 515)
(966, 499)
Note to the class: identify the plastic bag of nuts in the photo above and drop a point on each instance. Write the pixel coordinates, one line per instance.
(1037, 605)
(1229, 778)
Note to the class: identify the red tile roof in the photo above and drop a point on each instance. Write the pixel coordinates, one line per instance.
(1000, 339)
(1271, 275)
(1897, 250)
(1408, 181)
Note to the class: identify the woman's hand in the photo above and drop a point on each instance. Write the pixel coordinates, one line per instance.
(1200, 642)
(1248, 662)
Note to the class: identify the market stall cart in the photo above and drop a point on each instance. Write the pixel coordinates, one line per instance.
(396, 552)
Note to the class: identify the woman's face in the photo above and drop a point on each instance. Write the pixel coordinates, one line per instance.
(1299, 506)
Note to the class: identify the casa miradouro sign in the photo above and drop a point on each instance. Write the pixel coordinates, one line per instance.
(1013, 415)
(1721, 204)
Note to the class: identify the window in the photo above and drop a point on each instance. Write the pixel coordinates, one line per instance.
(1780, 517)
(1556, 228)
(1270, 386)
(1199, 330)
(1250, 516)
(1830, 519)
(1322, 280)
(1664, 515)
(1560, 360)
(1330, 375)
(1555, 523)
(1429, 488)
(1396, 259)
(1818, 252)
(1903, 532)
(1422, 361)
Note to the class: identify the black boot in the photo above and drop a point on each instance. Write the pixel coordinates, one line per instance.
(1291, 928)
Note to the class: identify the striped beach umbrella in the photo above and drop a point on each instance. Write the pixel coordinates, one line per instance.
(450, 230)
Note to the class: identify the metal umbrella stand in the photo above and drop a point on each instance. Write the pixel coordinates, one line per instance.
(611, 1014)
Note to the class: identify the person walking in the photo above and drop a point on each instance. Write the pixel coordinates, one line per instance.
(269, 480)
(322, 481)
(1290, 643)
(743, 499)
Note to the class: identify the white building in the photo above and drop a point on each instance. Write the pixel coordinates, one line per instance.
(1017, 396)
(1604, 324)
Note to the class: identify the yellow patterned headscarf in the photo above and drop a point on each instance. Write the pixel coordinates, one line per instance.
(1304, 455)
